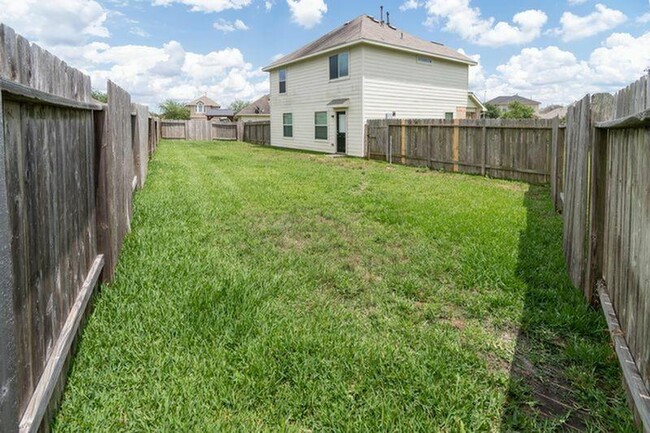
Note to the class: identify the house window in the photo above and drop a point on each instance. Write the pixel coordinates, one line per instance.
(320, 125)
(339, 66)
(287, 125)
(449, 116)
(200, 108)
(283, 80)
(424, 60)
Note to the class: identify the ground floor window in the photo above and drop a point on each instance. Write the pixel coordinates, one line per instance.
(287, 125)
(449, 116)
(320, 122)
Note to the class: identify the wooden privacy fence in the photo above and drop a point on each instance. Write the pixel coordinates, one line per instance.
(258, 132)
(198, 130)
(607, 222)
(505, 149)
(68, 168)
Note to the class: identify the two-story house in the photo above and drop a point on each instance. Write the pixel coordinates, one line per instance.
(323, 93)
(200, 107)
(503, 102)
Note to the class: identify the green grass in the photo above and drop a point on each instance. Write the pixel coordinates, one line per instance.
(269, 290)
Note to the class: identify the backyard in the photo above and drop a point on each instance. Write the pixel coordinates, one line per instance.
(265, 290)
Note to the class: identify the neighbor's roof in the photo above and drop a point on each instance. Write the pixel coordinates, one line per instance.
(219, 112)
(205, 100)
(261, 106)
(504, 100)
(367, 29)
(556, 112)
(471, 96)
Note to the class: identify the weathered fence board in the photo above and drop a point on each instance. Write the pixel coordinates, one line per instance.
(140, 135)
(56, 166)
(115, 177)
(607, 222)
(506, 149)
(200, 130)
(257, 132)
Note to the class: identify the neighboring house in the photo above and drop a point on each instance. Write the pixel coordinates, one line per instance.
(258, 110)
(221, 114)
(474, 107)
(199, 107)
(502, 102)
(323, 93)
(553, 113)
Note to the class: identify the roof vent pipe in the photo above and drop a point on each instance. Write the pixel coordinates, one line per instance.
(388, 18)
(381, 20)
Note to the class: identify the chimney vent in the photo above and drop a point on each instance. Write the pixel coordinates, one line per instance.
(388, 18)
(381, 14)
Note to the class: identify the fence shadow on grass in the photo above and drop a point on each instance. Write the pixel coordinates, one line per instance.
(559, 337)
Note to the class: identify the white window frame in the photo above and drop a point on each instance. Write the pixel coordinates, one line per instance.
(284, 125)
(280, 81)
(200, 108)
(321, 125)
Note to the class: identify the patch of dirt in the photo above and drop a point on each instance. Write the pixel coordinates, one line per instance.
(551, 391)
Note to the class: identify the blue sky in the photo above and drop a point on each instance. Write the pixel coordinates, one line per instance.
(553, 51)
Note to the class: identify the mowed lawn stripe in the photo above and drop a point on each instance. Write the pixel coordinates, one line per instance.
(265, 290)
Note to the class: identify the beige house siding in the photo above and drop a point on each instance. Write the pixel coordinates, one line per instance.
(394, 81)
(309, 90)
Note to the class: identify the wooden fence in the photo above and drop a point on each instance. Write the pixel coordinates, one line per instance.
(607, 222)
(198, 130)
(68, 167)
(505, 149)
(258, 132)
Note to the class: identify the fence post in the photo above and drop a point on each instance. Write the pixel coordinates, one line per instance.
(402, 142)
(602, 108)
(484, 141)
(455, 144)
(555, 161)
(429, 145)
(9, 416)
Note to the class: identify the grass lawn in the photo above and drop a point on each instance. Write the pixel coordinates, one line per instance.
(269, 290)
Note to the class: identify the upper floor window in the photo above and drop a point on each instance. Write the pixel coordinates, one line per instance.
(283, 80)
(200, 108)
(424, 60)
(339, 65)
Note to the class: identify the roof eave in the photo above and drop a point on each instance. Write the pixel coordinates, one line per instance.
(273, 66)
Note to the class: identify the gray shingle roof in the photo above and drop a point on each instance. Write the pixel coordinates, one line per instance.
(207, 101)
(261, 106)
(505, 100)
(367, 29)
(219, 112)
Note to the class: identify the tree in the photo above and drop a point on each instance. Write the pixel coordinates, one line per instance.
(492, 111)
(517, 110)
(238, 105)
(99, 96)
(171, 109)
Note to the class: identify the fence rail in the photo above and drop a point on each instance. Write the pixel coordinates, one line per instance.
(67, 169)
(201, 130)
(505, 149)
(607, 222)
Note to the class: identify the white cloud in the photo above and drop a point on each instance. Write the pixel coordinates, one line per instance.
(644, 19)
(466, 21)
(228, 26)
(206, 5)
(56, 22)
(578, 27)
(577, 2)
(139, 31)
(307, 13)
(553, 75)
(409, 4)
(268, 4)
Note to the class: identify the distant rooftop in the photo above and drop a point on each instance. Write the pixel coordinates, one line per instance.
(261, 106)
(219, 112)
(505, 100)
(367, 29)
